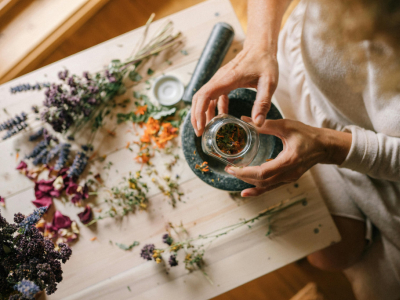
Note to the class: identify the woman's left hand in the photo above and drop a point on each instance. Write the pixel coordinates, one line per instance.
(303, 147)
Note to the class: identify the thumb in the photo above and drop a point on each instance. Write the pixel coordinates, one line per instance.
(265, 89)
(272, 127)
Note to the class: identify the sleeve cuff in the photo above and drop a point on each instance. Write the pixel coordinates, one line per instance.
(363, 151)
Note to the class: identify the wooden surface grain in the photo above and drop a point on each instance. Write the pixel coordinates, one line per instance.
(281, 284)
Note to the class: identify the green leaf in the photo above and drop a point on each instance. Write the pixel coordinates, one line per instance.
(150, 71)
(6, 249)
(136, 95)
(127, 247)
(135, 76)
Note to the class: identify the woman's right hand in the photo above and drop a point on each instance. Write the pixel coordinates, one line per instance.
(254, 67)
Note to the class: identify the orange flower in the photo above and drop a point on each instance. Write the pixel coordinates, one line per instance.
(141, 110)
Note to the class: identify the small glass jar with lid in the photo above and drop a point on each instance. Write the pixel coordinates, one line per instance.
(231, 140)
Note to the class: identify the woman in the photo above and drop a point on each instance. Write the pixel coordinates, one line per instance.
(338, 89)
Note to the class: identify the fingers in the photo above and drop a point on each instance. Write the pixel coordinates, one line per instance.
(262, 172)
(225, 80)
(211, 110)
(223, 104)
(272, 127)
(265, 89)
(252, 192)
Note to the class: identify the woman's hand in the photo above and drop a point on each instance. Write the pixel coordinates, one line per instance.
(254, 67)
(303, 147)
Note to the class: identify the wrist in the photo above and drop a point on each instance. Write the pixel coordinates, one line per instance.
(337, 145)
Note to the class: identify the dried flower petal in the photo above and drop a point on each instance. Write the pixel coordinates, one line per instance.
(60, 221)
(44, 201)
(86, 216)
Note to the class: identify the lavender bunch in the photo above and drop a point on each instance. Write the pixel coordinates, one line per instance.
(28, 261)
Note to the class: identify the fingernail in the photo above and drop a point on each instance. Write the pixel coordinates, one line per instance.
(259, 120)
(230, 171)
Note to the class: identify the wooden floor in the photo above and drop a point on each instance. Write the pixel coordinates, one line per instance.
(120, 16)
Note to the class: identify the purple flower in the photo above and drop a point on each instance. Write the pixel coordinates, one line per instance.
(63, 74)
(147, 252)
(86, 216)
(167, 239)
(71, 81)
(27, 288)
(86, 75)
(172, 260)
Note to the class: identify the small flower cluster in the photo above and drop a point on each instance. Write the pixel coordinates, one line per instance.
(14, 125)
(78, 98)
(28, 260)
(28, 289)
(28, 87)
(192, 259)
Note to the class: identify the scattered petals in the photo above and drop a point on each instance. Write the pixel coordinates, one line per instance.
(2, 201)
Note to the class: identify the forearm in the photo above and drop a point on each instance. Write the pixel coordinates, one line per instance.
(264, 22)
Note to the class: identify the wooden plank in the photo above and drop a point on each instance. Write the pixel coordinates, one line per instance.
(98, 270)
(38, 30)
(6, 5)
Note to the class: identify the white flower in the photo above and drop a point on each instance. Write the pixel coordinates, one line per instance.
(58, 183)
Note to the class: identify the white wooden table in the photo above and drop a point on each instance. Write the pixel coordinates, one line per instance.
(99, 270)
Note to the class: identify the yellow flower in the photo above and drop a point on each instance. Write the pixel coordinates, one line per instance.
(188, 256)
(158, 260)
(143, 205)
(132, 185)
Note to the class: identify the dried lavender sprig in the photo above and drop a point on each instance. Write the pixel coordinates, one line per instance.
(38, 148)
(78, 165)
(32, 219)
(15, 130)
(52, 153)
(35, 136)
(63, 156)
(27, 87)
(12, 122)
(41, 157)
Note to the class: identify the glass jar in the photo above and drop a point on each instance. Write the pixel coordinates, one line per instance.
(216, 142)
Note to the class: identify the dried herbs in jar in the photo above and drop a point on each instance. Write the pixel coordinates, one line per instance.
(231, 139)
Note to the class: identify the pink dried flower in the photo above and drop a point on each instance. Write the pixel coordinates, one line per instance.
(60, 221)
(86, 216)
(22, 166)
(2, 201)
(43, 201)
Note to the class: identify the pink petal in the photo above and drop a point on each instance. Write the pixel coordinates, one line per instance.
(86, 216)
(71, 189)
(55, 193)
(76, 198)
(22, 165)
(44, 201)
(61, 221)
(85, 192)
(2, 201)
